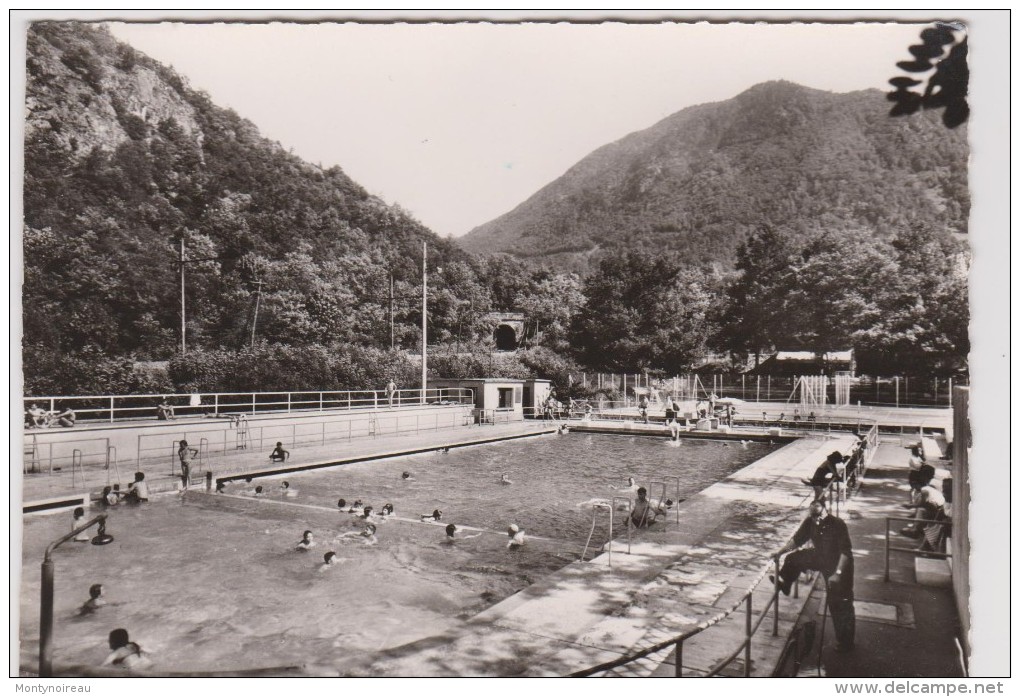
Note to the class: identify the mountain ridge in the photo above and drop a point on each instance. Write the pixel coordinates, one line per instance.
(777, 153)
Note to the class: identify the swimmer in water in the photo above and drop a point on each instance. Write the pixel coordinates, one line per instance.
(516, 536)
(433, 517)
(407, 476)
(505, 479)
(366, 535)
(356, 507)
(366, 512)
(341, 504)
(451, 534)
(306, 542)
(387, 510)
(631, 485)
(258, 491)
(328, 561)
(95, 600)
(286, 490)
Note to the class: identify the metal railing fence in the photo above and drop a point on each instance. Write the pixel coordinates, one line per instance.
(111, 408)
(886, 391)
(160, 449)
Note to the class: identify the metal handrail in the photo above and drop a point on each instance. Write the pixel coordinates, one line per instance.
(912, 550)
(677, 642)
(248, 402)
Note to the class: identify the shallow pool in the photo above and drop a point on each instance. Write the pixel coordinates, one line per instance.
(213, 582)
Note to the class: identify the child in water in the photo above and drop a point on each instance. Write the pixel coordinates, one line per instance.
(79, 518)
(306, 542)
(451, 534)
(328, 561)
(95, 600)
(433, 517)
(516, 536)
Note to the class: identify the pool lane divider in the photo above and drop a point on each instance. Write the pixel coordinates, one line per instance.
(276, 471)
(375, 520)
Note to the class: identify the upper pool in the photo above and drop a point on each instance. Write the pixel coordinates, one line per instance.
(213, 582)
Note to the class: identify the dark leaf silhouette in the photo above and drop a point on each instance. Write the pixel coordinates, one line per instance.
(947, 86)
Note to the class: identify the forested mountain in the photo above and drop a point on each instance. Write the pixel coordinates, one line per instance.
(123, 161)
(780, 155)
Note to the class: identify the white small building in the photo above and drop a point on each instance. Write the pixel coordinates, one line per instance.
(496, 400)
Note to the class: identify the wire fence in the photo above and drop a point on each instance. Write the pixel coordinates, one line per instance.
(891, 391)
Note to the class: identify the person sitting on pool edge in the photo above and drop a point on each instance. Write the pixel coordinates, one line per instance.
(95, 600)
(434, 517)
(126, 653)
(306, 542)
(279, 454)
(644, 514)
(820, 479)
(516, 536)
(138, 492)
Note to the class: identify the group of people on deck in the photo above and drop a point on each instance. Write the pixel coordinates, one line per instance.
(37, 417)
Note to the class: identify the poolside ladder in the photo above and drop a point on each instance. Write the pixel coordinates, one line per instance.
(241, 435)
(31, 453)
(76, 466)
(611, 506)
(111, 459)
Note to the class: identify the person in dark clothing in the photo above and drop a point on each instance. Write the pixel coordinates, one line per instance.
(820, 480)
(832, 555)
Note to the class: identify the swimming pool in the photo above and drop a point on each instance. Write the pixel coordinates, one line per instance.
(213, 582)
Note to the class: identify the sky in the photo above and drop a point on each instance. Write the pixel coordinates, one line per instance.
(459, 123)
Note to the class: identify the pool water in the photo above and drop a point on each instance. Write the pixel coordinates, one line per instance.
(213, 582)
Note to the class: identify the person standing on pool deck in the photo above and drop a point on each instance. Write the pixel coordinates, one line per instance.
(832, 554)
(184, 454)
(391, 390)
(643, 407)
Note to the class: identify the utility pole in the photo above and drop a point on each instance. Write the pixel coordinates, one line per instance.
(255, 320)
(391, 312)
(184, 346)
(424, 316)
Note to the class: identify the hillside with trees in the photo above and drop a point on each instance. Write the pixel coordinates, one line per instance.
(701, 181)
(783, 219)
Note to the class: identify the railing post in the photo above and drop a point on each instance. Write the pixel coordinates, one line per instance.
(253, 404)
(678, 665)
(288, 402)
(886, 576)
(216, 404)
(775, 600)
(320, 401)
(111, 410)
(747, 638)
